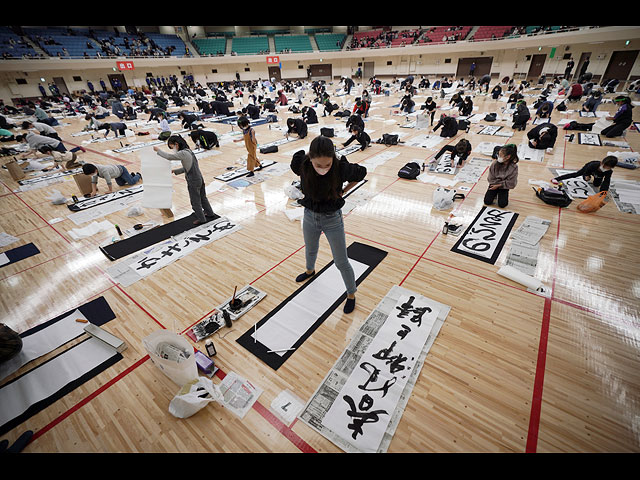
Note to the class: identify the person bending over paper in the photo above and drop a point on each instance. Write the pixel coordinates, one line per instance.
(119, 173)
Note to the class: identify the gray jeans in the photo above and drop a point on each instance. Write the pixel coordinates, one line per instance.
(313, 224)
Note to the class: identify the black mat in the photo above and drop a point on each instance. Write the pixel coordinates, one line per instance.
(482, 234)
(360, 252)
(150, 237)
(19, 253)
(96, 311)
(41, 405)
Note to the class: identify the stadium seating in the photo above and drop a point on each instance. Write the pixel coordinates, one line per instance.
(329, 41)
(15, 50)
(210, 46)
(484, 33)
(295, 43)
(250, 45)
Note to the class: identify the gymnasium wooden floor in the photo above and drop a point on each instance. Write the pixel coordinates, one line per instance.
(510, 371)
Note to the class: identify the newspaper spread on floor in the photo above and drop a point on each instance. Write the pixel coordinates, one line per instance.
(329, 403)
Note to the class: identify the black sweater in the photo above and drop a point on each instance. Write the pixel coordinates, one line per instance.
(348, 172)
(591, 169)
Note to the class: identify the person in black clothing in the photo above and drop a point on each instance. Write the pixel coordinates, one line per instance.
(543, 136)
(360, 135)
(322, 177)
(297, 126)
(449, 126)
(521, 115)
(430, 107)
(622, 119)
(485, 80)
(355, 120)
(309, 115)
(600, 172)
(204, 139)
(187, 119)
(220, 108)
(348, 84)
(462, 149)
(269, 106)
(407, 104)
(155, 113)
(466, 107)
(252, 111)
(129, 112)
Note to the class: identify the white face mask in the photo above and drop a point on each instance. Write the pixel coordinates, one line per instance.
(322, 171)
(500, 160)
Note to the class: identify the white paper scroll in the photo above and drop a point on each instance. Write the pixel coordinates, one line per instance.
(365, 403)
(520, 277)
(158, 185)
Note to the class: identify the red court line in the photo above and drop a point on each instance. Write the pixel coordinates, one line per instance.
(102, 153)
(538, 383)
(277, 423)
(87, 399)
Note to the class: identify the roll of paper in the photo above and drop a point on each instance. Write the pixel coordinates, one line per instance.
(520, 277)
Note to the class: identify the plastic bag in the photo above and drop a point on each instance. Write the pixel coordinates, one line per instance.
(172, 354)
(57, 198)
(593, 203)
(193, 397)
(293, 192)
(134, 211)
(443, 198)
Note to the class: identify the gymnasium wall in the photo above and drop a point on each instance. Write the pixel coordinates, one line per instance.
(388, 64)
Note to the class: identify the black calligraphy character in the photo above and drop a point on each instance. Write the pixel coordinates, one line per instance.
(419, 312)
(147, 262)
(405, 330)
(394, 361)
(363, 416)
(405, 308)
(169, 251)
(373, 377)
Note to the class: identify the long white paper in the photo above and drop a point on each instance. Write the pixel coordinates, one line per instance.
(363, 409)
(158, 185)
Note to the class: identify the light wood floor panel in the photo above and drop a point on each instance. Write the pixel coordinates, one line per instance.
(477, 388)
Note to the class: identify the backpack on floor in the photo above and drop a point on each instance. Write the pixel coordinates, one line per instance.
(490, 117)
(269, 149)
(552, 196)
(326, 132)
(410, 171)
(388, 139)
(573, 125)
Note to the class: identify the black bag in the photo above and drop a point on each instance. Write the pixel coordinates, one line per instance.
(551, 197)
(410, 171)
(573, 125)
(389, 139)
(269, 149)
(326, 132)
(490, 117)
(562, 107)
(463, 124)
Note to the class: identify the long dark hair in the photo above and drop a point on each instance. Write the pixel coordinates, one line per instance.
(321, 187)
(182, 144)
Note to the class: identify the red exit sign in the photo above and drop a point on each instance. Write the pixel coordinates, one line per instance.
(125, 65)
(273, 60)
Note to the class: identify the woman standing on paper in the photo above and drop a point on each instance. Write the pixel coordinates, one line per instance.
(251, 144)
(195, 182)
(322, 176)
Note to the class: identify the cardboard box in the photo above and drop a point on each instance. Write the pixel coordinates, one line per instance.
(15, 170)
(83, 182)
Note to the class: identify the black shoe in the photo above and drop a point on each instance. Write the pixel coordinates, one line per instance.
(303, 276)
(259, 168)
(251, 174)
(211, 217)
(349, 305)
